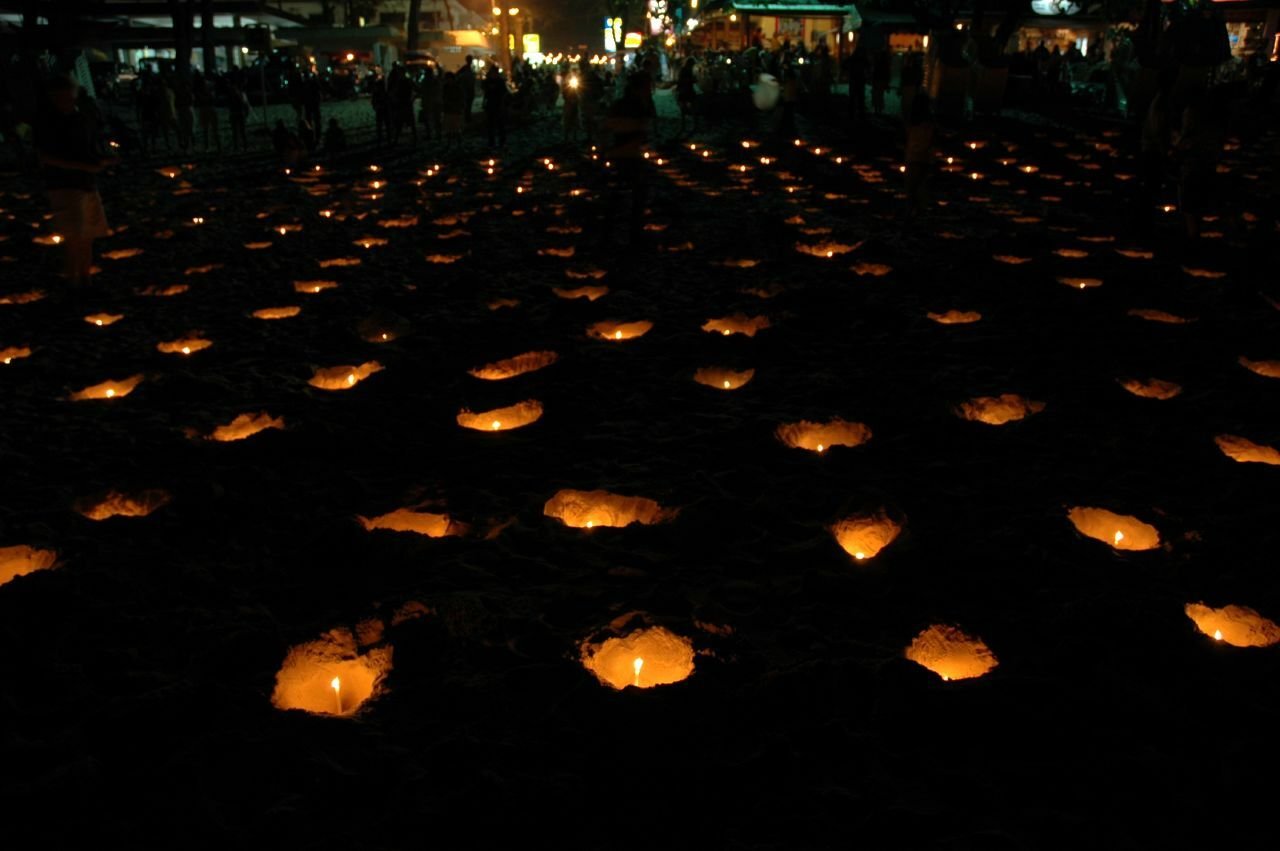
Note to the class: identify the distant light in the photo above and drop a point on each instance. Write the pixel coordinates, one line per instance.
(351, 57)
(244, 50)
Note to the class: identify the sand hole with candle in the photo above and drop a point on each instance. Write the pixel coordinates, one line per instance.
(951, 653)
(22, 559)
(427, 523)
(820, 437)
(737, 323)
(864, 536)
(1245, 451)
(1238, 626)
(514, 366)
(121, 504)
(1151, 388)
(108, 389)
(330, 676)
(1118, 531)
(653, 656)
(343, 377)
(591, 509)
(244, 426)
(502, 419)
(619, 331)
(998, 410)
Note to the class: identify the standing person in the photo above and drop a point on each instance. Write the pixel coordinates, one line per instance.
(400, 100)
(183, 104)
(467, 77)
(855, 71)
(790, 97)
(630, 119)
(592, 94)
(687, 96)
(70, 162)
(495, 107)
(1200, 147)
(571, 92)
(335, 141)
(880, 73)
(1157, 138)
(919, 154)
(452, 109)
(238, 114)
(378, 100)
(311, 97)
(431, 90)
(206, 112)
(168, 111)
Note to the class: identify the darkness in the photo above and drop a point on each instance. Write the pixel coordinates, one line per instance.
(139, 673)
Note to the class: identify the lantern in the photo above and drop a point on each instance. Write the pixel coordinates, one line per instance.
(1159, 316)
(1246, 451)
(1118, 531)
(13, 353)
(418, 522)
(108, 389)
(101, 320)
(723, 379)
(618, 331)
(330, 676)
(343, 377)
(286, 312)
(502, 419)
(184, 346)
(1238, 626)
(956, 317)
(119, 504)
(313, 287)
(820, 437)
(22, 559)
(951, 653)
(589, 509)
(511, 367)
(590, 293)
(648, 657)
(998, 410)
(246, 425)
(1152, 388)
(1265, 368)
(863, 536)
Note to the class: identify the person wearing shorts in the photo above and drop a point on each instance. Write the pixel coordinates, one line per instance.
(70, 161)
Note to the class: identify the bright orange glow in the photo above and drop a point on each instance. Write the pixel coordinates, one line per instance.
(863, 536)
(590, 293)
(101, 320)
(1238, 626)
(21, 560)
(826, 250)
(246, 425)
(645, 658)
(951, 654)
(1246, 451)
(723, 379)
(1120, 531)
(998, 410)
(616, 331)
(502, 419)
(343, 377)
(1265, 368)
(13, 353)
(514, 366)
(588, 509)
(184, 346)
(108, 389)
(737, 323)
(819, 437)
(330, 676)
(956, 317)
(118, 504)
(418, 522)
(1151, 388)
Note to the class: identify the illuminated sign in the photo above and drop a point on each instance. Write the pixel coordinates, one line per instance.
(612, 34)
(1055, 7)
(634, 40)
(532, 42)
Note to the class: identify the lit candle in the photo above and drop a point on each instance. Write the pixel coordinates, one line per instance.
(336, 685)
(186, 350)
(617, 335)
(821, 448)
(1118, 538)
(351, 379)
(110, 393)
(859, 556)
(1217, 635)
(638, 664)
(497, 424)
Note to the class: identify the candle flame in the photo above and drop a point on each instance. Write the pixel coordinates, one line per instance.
(726, 385)
(1118, 538)
(590, 523)
(497, 424)
(821, 447)
(1217, 635)
(637, 665)
(351, 379)
(110, 393)
(186, 350)
(336, 685)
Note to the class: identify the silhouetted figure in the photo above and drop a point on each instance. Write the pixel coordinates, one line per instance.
(467, 78)
(919, 154)
(630, 119)
(431, 91)
(286, 143)
(238, 117)
(880, 74)
(495, 107)
(378, 100)
(687, 95)
(70, 160)
(453, 109)
(335, 141)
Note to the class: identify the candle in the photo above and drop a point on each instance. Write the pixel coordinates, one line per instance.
(336, 685)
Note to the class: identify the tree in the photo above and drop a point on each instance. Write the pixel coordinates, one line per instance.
(411, 26)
